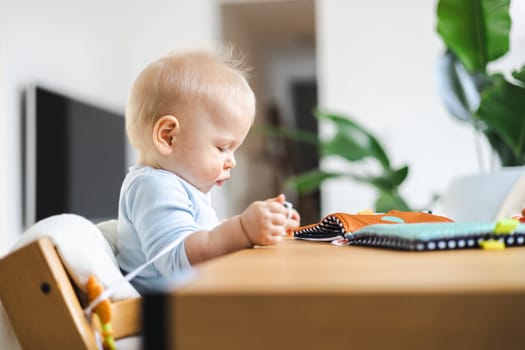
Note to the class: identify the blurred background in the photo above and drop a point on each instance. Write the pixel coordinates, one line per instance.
(373, 60)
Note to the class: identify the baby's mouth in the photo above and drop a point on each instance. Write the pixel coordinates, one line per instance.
(221, 182)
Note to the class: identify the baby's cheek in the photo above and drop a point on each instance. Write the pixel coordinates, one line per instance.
(212, 170)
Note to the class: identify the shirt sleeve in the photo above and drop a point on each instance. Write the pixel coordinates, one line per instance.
(161, 212)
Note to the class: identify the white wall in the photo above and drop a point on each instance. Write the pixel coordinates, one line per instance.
(91, 50)
(7, 338)
(377, 61)
(3, 133)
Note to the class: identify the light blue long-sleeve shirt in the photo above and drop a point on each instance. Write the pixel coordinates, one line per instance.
(155, 208)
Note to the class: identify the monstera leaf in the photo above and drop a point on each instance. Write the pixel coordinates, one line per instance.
(477, 31)
(502, 110)
(459, 88)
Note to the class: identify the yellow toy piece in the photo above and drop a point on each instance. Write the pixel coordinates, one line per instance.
(366, 212)
(103, 311)
(492, 244)
(506, 226)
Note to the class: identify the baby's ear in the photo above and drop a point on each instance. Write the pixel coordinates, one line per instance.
(164, 132)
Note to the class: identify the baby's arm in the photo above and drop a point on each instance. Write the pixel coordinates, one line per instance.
(262, 223)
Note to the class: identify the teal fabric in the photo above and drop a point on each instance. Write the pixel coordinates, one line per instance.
(433, 236)
(430, 231)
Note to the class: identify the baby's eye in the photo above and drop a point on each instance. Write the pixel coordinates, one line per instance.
(221, 149)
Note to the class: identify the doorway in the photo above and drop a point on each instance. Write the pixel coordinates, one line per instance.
(278, 40)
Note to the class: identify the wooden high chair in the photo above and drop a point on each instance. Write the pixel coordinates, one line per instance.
(43, 307)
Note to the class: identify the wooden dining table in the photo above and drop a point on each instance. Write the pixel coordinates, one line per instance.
(316, 295)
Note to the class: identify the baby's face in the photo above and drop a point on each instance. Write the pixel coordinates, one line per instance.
(205, 147)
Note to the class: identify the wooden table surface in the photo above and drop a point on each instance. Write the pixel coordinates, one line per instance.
(311, 295)
(312, 267)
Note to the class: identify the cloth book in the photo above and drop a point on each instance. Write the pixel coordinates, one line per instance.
(414, 231)
(440, 236)
(335, 226)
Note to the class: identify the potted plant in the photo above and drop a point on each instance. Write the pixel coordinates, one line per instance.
(475, 34)
(352, 143)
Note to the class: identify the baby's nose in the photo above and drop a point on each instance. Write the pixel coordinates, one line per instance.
(230, 162)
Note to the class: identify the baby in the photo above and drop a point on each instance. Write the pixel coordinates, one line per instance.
(187, 114)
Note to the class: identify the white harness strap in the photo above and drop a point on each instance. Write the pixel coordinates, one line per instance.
(129, 276)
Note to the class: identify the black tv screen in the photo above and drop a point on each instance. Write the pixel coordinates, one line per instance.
(75, 157)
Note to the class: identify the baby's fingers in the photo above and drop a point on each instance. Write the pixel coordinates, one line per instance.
(279, 199)
(274, 239)
(273, 234)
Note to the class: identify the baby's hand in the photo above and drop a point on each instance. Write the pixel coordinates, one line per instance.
(265, 222)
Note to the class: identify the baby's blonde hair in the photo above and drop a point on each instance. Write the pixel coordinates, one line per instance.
(171, 84)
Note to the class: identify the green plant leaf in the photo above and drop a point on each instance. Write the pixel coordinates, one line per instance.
(387, 185)
(476, 30)
(504, 152)
(310, 180)
(351, 141)
(396, 177)
(452, 89)
(459, 88)
(390, 200)
(294, 134)
(388, 181)
(341, 144)
(502, 109)
(519, 74)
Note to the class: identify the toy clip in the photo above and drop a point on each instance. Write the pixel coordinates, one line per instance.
(288, 206)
